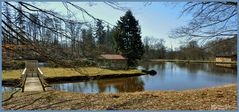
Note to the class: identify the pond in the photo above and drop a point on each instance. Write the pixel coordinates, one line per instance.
(170, 76)
(9, 89)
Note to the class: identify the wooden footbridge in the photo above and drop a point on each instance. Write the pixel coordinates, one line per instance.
(32, 77)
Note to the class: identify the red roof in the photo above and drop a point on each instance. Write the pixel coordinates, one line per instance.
(112, 56)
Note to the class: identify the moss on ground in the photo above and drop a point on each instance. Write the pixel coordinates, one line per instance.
(216, 98)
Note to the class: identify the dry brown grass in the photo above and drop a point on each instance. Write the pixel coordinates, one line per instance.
(86, 71)
(11, 74)
(216, 98)
(69, 72)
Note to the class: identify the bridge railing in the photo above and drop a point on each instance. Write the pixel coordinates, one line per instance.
(42, 80)
(23, 79)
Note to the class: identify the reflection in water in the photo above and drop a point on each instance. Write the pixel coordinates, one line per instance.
(207, 67)
(129, 84)
(170, 76)
(181, 76)
(7, 89)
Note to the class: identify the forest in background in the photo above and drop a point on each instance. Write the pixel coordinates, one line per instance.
(50, 36)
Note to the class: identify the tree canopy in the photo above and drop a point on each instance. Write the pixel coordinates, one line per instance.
(210, 20)
(128, 38)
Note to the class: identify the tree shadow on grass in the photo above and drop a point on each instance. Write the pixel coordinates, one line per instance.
(20, 98)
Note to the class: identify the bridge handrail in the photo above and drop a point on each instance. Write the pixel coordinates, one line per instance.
(23, 81)
(40, 71)
(24, 71)
(42, 80)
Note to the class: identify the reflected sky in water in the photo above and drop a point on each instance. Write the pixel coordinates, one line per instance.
(170, 76)
(181, 76)
(9, 89)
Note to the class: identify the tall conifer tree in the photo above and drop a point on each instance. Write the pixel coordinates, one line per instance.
(128, 39)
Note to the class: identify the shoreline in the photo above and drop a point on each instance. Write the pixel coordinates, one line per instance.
(56, 75)
(87, 78)
(190, 61)
(53, 80)
(212, 98)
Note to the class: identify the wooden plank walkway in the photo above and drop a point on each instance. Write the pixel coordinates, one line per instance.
(33, 84)
(34, 81)
(32, 78)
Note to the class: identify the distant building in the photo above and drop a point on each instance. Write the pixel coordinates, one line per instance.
(112, 61)
(226, 58)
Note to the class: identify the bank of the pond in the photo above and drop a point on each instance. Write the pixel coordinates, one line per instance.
(191, 61)
(55, 75)
(11, 74)
(215, 98)
(11, 77)
(71, 74)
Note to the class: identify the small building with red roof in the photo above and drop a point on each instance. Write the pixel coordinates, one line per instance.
(226, 58)
(112, 61)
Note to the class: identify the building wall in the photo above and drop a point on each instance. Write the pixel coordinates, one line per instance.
(113, 64)
(223, 59)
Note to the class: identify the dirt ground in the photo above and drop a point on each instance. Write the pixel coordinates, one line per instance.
(215, 98)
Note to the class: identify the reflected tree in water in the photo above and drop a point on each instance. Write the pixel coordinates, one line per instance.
(130, 84)
(191, 67)
(206, 67)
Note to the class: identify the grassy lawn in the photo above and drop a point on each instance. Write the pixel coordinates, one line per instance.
(11, 74)
(86, 71)
(215, 98)
(70, 72)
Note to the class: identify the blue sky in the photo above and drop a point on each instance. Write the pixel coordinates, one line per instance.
(156, 20)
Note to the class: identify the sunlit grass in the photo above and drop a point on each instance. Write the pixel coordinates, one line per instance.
(11, 74)
(86, 71)
(196, 99)
(69, 72)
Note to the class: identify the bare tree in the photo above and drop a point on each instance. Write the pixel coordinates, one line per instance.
(51, 35)
(210, 20)
(43, 27)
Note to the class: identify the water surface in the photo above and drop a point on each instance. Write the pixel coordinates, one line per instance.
(9, 89)
(170, 76)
